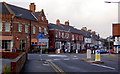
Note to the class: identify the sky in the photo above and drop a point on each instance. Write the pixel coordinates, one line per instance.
(93, 14)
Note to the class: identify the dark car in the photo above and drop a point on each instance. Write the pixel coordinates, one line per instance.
(103, 51)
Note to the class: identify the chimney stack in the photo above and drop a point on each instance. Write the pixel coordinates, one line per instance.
(93, 32)
(32, 7)
(90, 30)
(57, 22)
(84, 28)
(67, 23)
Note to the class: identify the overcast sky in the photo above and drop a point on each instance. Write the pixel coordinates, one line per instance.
(93, 14)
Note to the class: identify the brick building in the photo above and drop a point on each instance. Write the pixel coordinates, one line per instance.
(64, 36)
(20, 27)
(116, 36)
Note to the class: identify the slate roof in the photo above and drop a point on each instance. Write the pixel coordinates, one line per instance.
(54, 26)
(18, 11)
(3, 9)
(37, 14)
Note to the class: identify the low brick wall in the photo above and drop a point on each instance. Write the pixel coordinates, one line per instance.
(18, 63)
(10, 55)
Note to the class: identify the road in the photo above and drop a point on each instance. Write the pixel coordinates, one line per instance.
(76, 63)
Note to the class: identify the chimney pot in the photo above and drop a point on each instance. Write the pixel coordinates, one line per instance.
(32, 7)
(67, 23)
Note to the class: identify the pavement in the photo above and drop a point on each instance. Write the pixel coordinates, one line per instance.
(35, 65)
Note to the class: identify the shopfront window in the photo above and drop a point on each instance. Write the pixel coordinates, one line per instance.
(58, 45)
(6, 44)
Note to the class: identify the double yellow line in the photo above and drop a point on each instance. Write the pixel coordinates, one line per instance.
(56, 68)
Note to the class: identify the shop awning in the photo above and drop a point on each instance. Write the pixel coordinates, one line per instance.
(34, 40)
(6, 37)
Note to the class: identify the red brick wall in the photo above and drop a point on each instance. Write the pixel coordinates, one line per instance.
(10, 54)
(116, 29)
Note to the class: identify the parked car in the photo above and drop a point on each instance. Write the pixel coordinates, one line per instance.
(103, 51)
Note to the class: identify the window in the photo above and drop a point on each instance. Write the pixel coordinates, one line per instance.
(26, 28)
(62, 35)
(0, 26)
(42, 18)
(45, 31)
(20, 28)
(72, 37)
(7, 27)
(34, 28)
(39, 29)
(59, 35)
(6, 44)
(58, 45)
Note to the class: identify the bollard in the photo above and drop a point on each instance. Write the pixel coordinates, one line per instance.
(76, 51)
(97, 55)
(58, 50)
(88, 54)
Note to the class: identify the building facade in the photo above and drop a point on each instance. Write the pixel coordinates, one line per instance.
(20, 27)
(116, 36)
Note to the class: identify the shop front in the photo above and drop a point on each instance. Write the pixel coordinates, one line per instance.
(7, 43)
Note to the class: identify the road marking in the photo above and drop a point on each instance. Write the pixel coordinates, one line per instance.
(56, 59)
(56, 68)
(48, 60)
(75, 58)
(104, 66)
(57, 55)
(67, 59)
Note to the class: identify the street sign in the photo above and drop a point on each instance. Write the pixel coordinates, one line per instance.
(41, 36)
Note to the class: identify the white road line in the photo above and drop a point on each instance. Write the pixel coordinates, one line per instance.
(67, 59)
(103, 66)
(48, 60)
(75, 58)
(56, 59)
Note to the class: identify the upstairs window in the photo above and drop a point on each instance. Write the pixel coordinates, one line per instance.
(40, 29)
(7, 27)
(59, 35)
(45, 31)
(26, 28)
(62, 35)
(34, 28)
(0, 26)
(73, 37)
(20, 28)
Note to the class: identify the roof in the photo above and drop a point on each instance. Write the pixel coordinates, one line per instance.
(54, 26)
(36, 14)
(3, 9)
(17, 11)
